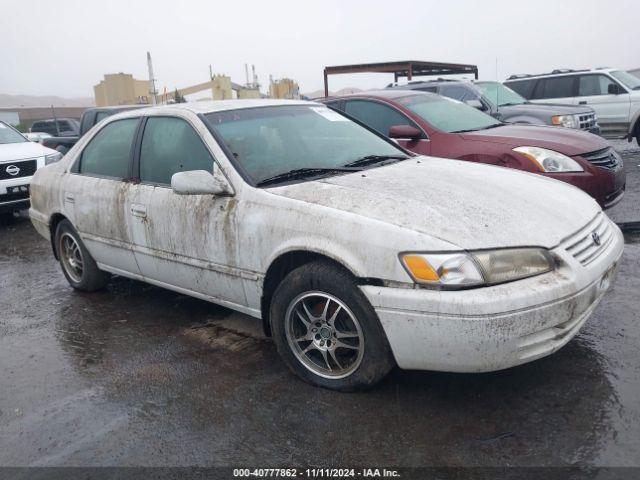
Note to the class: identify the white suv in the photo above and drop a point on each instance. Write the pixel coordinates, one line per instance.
(613, 94)
(19, 160)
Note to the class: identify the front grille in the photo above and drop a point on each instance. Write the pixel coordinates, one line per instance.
(606, 158)
(23, 168)
(11, 197)
(587, 121)
(591, 240)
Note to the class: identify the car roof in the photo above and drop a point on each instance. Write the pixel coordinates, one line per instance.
(57, 118)
(389, 94)
(560, 73)
(211, 106)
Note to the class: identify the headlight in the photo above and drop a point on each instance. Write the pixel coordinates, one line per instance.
(54, 157)
(482, 267)
(568, 121)
(548, 160)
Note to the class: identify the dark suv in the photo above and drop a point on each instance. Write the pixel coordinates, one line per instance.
(65, 127)
(506, 105)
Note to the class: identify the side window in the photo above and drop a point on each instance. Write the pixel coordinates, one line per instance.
(459, 92)
(377, 116)
(523, 87)
(108, 154)
(556, 87)
(594, 85)
(64, 125)
(102, 116)
(170, 145)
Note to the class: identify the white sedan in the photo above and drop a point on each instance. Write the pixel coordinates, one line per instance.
(356, 255)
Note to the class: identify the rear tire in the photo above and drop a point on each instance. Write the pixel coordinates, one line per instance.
(326, 330)
(78, 266)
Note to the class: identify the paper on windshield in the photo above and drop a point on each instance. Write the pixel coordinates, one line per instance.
(329, 114)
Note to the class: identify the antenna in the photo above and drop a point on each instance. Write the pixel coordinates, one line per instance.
(497, 88)
(152, 81)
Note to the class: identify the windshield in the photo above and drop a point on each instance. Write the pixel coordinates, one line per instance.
(448, 115)
(500, 95)
(9, 135)
(269, 141)
(630, 81)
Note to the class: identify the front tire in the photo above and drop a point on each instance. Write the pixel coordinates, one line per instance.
(78, 266)
(326, 330)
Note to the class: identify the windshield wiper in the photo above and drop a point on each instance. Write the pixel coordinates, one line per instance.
(371, 159)
(495, 125)
(303, 173)
(467, 130)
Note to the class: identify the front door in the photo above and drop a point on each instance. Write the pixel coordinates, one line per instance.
(612, 110)
(183, 241)
(95, 195)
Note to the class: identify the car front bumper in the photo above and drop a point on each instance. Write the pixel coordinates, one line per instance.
(493, 328)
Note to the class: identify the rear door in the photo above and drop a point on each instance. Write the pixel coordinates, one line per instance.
(95, 195)
(382, 117)
(561, 90)
(612, 110)
(185, 241)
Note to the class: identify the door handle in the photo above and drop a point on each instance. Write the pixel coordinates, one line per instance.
(583, 102)
(138, 210)
(69, 197)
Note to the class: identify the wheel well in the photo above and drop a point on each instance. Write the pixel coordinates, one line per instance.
(56, 218)
(280, 268)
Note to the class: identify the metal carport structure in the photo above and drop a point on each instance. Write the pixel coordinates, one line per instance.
(405, 68)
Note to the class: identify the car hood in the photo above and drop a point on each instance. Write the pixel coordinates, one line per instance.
(10, 152)
(467, 204)
(564, 140)
(547, 109)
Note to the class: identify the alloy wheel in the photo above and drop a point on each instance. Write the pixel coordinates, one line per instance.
(324, 335)
(71, 256)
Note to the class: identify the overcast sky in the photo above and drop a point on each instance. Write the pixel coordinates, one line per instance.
(64, 47)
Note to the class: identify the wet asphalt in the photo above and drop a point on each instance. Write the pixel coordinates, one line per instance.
(140, 376)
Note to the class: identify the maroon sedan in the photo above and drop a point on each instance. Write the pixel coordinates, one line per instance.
(429, 124)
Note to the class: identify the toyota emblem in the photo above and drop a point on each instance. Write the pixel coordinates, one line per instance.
(12, 170)
(596, 238)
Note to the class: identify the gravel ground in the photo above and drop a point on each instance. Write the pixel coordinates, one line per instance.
(628, 210)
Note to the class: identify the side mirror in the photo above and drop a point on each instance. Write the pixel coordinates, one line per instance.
(475, 103)
(405, 131)
(200, 182)
(613, 89)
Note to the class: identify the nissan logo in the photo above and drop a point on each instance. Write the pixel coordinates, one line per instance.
(596, 238)
(12, 170)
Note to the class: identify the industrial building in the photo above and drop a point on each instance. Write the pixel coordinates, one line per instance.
(121, 89)
(284, 88)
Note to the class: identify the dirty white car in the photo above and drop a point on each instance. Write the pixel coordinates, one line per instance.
(355, 255)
